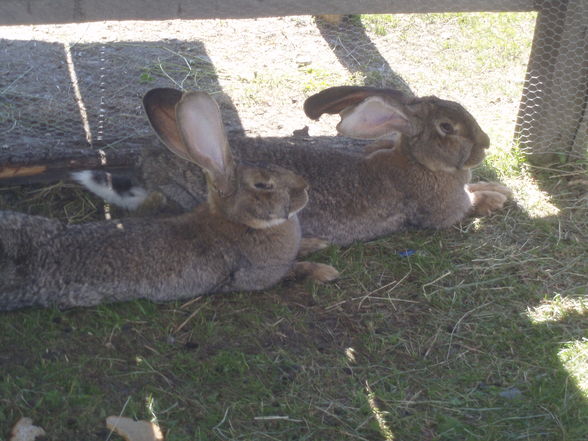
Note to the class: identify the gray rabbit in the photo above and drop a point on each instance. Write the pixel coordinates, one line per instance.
(416, 175)
(245, 237)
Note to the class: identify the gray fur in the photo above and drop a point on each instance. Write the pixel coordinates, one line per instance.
(245, 238)
(158, 259)
(416, 179)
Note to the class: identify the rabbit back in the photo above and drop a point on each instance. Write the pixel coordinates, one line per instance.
(158, 259)
(351, 197)
(416, 181)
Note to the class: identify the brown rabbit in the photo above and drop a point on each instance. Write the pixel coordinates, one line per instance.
(416, 175)
(245, 237)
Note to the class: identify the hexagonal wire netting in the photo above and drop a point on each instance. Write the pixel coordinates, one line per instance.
(553, 113)
(89, 93)
(82, 84)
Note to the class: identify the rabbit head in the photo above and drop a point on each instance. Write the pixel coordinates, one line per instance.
(440, 135)
(190, 125)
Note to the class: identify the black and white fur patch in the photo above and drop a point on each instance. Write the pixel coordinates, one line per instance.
(117, 190)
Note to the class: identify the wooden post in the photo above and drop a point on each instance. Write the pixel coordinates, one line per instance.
(552, 116)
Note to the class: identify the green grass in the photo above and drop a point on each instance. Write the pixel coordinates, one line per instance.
(481, 334)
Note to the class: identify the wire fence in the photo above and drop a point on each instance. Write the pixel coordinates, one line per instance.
(82, 84)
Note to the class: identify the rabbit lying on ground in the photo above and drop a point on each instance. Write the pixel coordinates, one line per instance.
(245, 237)
(416, 175)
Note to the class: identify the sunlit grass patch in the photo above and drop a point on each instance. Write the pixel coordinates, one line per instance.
(496, 39)
(186, 71)
(535, 201)
(571, 312)
(574, 357)
(508, 164)
(380, 24)
(317, 78)
(558, 308)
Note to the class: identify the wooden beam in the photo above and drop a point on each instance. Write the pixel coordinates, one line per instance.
(25, 165)
(22, 165)
(14, 12)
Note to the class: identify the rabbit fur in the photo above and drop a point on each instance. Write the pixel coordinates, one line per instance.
(416, 174)
(244, 237)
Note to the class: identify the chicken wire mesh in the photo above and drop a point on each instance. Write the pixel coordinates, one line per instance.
(553, 109)
(84, 94)
(82, 84)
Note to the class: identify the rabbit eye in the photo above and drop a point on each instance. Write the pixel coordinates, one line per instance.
(446, 128)
(263, 186)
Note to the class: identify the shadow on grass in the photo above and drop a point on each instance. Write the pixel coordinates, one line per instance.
(358, 54)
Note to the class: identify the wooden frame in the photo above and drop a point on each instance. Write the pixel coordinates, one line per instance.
(74, 11)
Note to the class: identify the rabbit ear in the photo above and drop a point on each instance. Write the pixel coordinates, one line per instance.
(335, 99)
(201, 128)
(374, 118)
(366, 112)
(160, 106)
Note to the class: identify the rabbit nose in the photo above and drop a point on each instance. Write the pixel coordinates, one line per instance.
(483, 140)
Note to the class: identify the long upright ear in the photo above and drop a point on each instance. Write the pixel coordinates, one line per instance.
(202, 131)
(160, 106)
(335, 99)
(373, 118)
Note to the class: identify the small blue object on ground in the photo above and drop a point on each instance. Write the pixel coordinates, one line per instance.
(511, 393)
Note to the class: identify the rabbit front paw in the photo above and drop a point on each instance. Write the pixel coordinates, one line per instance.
(489, 186)
(485, 202)
(319, 272)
